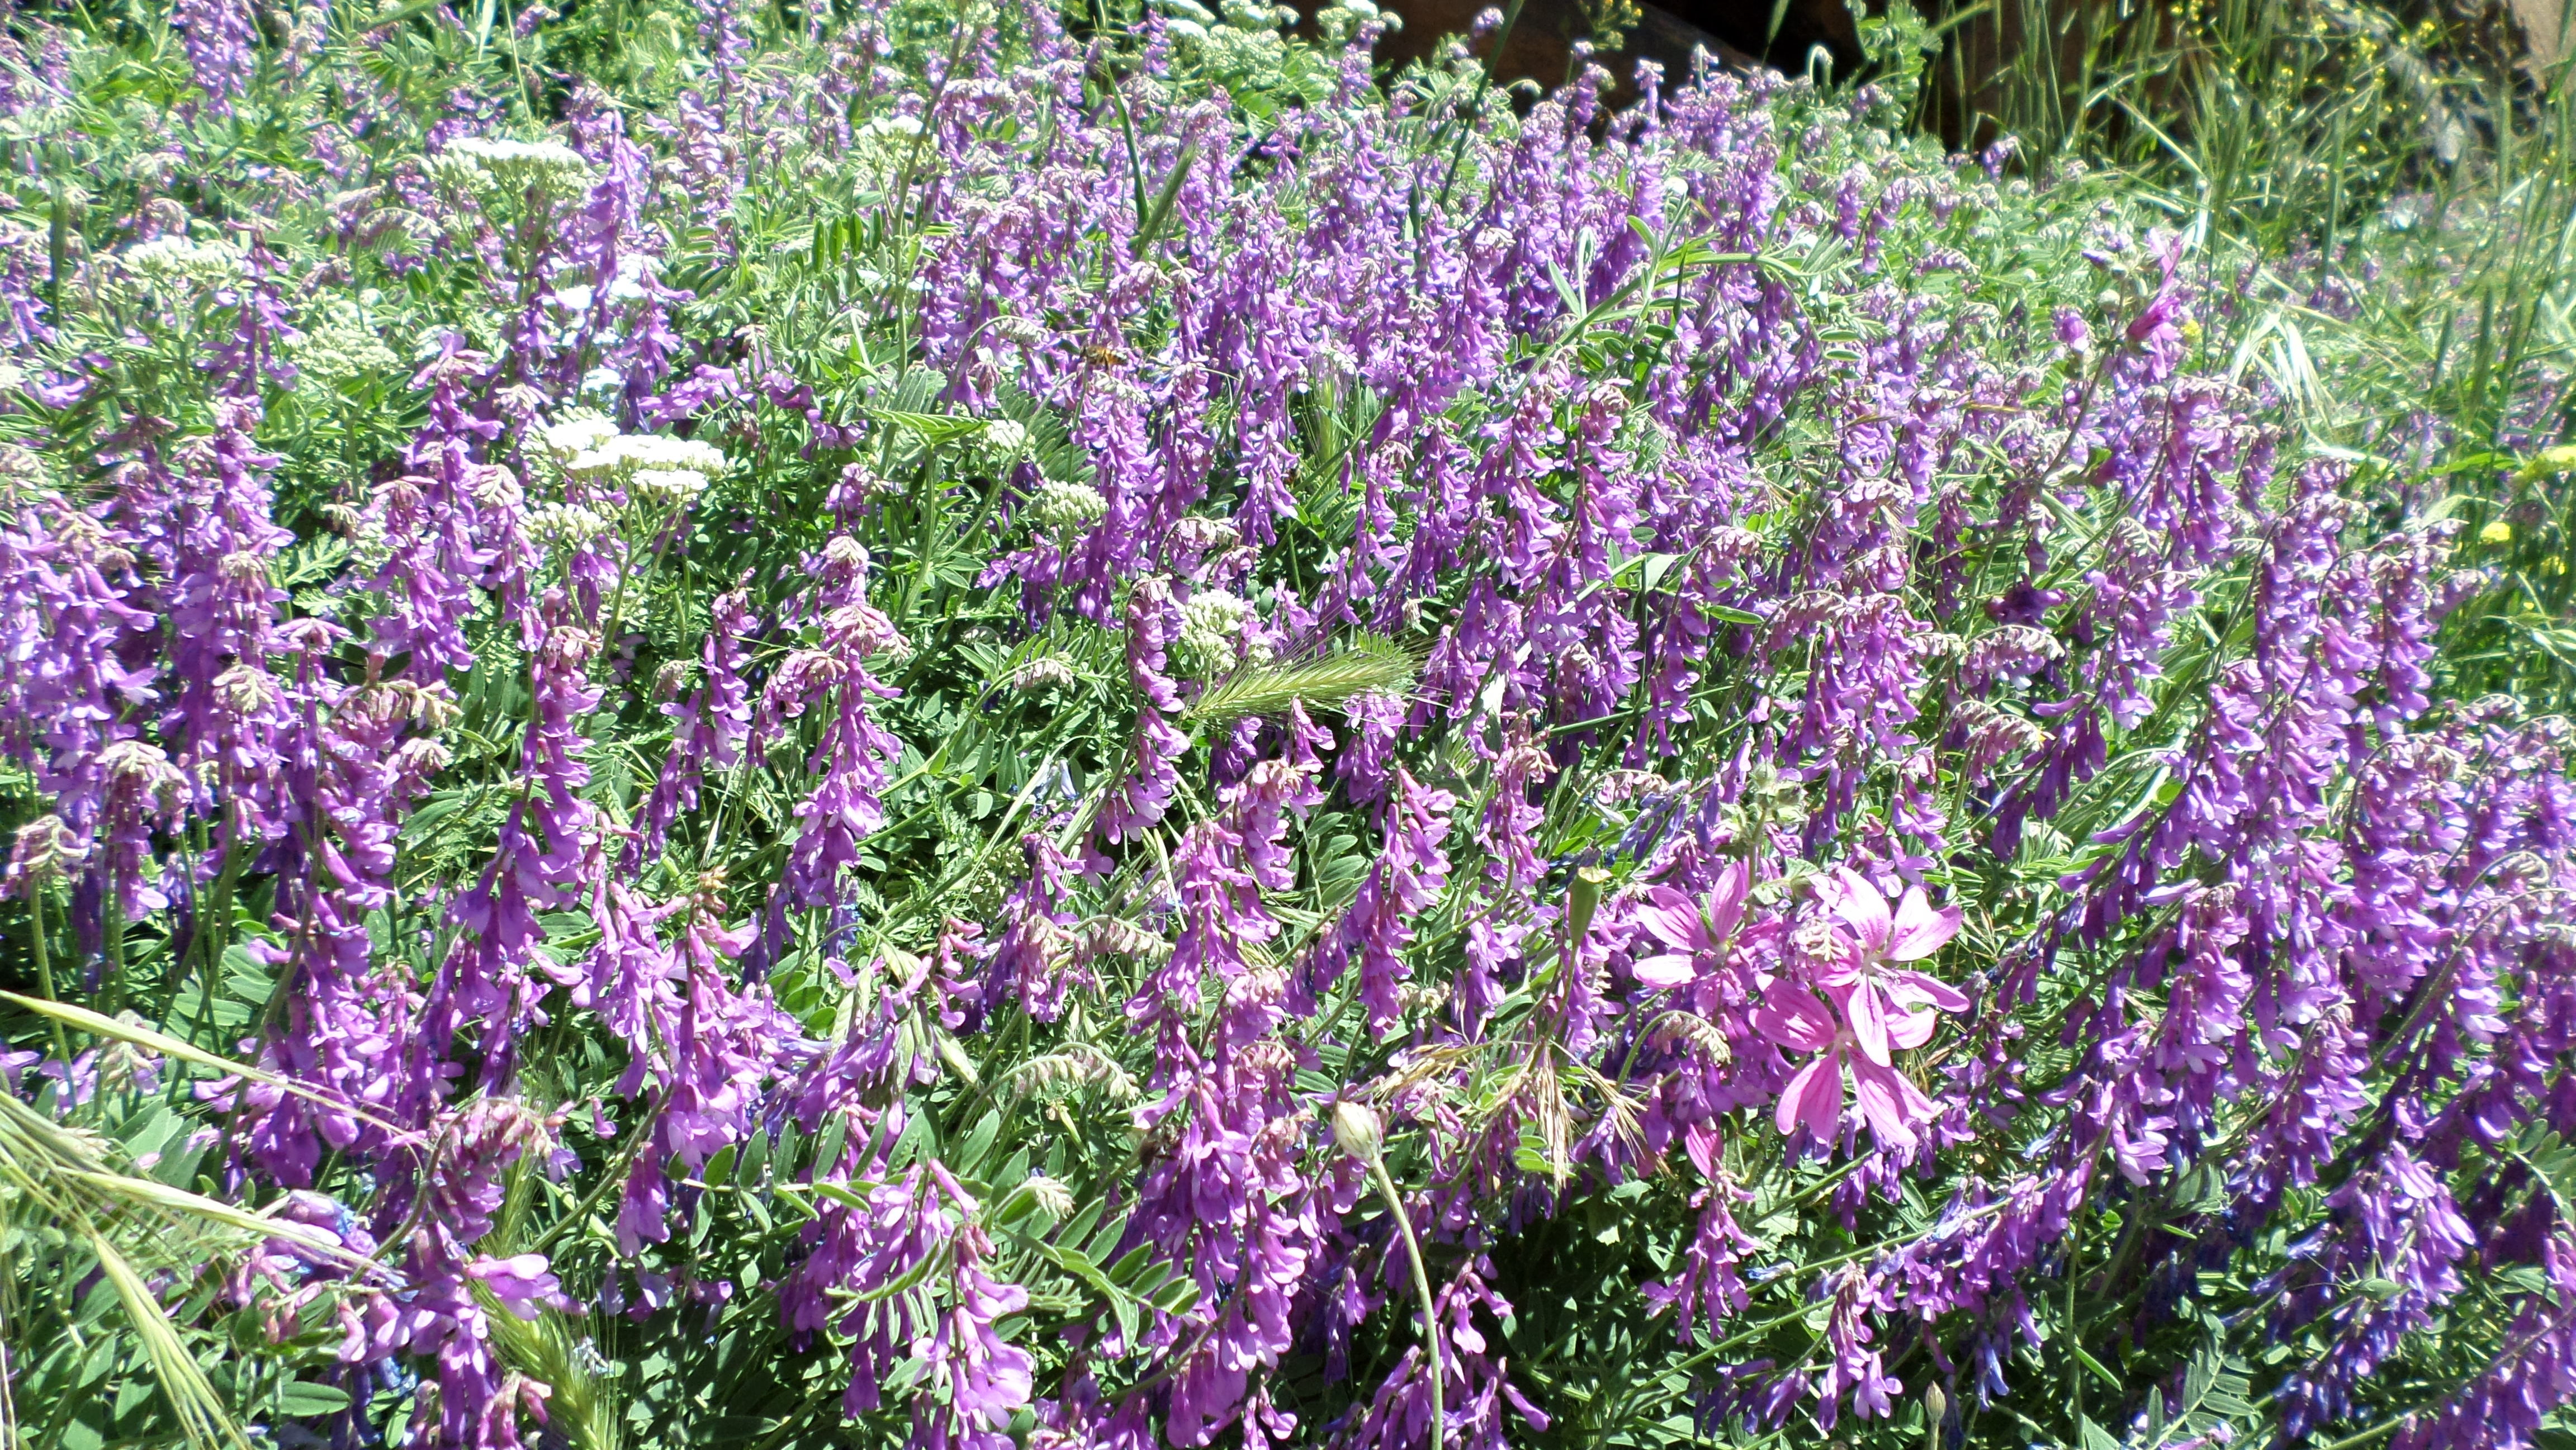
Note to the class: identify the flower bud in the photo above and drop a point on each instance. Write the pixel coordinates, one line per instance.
(1053, 1198)
(46, 849)
(1582, 899)
(1356, 1130)
(1044, 672)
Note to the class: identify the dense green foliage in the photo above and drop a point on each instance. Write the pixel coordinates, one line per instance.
(738, 725)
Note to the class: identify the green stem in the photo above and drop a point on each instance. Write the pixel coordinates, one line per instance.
(2380, 1431)
(1476, 105)
(45, 978)
(1422, 1288)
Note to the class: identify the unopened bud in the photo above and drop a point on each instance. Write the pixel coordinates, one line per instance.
(1356, 1130)
(1053, 1198)
(1044, 672)
(46, 849)
(245, 689)
(1582, 899)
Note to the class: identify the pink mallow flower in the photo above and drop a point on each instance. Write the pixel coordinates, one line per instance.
(1878, 1006)
(1696, 932)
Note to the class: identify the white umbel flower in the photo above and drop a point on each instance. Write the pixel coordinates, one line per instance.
(1068, 505)
(178, 265)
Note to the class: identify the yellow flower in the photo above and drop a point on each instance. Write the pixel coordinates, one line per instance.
(2498, 532)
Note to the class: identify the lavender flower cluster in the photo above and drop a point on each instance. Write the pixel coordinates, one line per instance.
(832, 702)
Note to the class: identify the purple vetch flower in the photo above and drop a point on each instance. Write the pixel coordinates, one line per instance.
(70, 689)
(1709, 1283)
(228, 711)
(919, 1229)
(361, 758)
(1858, 1367)
(1477, 1389)
(853, 755)
(222, 43)
(1375, 719)
(250, 359)
(547, 851)
(523, 1283)
(439, 545)
(1036, 960)
(1144, 791)
(710, 727)
(1401, 885)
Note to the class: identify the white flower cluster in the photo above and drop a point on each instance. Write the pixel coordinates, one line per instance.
(1006, 437)
(633, 269)
(667, 472)
(488, 168)
(340, 344)
(1190, 20)
(565, 523)
(176, 264)
(880, 148)
(1339, 21)
(1246, 42)
(667, 487)
(1215, 636)
(1062, 506)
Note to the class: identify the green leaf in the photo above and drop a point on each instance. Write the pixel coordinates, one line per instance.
(1131, 1264)
(1105, 1242)
(1175, 1297)
(932, 428)
(979, 1142)
(827, 1145)
(298, 1397)
(842, 1193)
(2102, 1372)
(1078, 1227)
(1160, 215)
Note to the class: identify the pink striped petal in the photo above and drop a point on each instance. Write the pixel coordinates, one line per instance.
(1866, 1009)
(1814, 1097)
(1791, 1016)
(1891, 1104)
(1862, 909)
(1668, 970)
(1918, 931)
